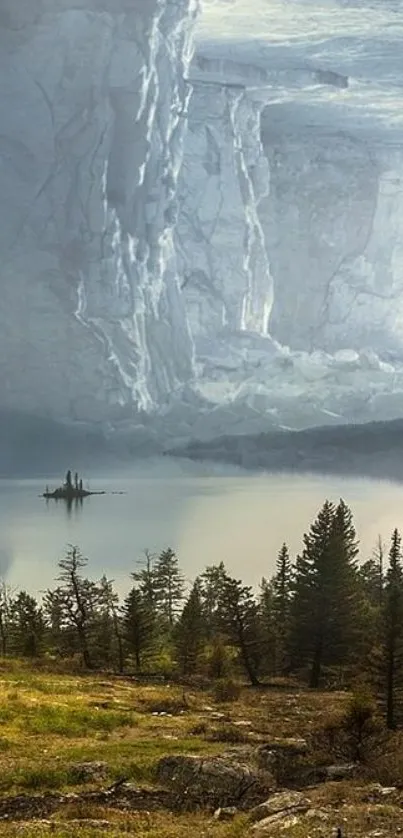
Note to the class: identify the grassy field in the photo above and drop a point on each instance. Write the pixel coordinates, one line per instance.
(51, 722)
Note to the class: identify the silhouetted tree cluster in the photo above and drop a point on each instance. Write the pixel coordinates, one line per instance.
(324, 617)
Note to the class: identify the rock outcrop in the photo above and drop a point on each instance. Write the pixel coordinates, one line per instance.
(93, 104)
(220, 234)
(214, 782)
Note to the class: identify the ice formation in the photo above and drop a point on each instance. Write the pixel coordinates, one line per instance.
(290, 238)
(93, 100)
(218, 235)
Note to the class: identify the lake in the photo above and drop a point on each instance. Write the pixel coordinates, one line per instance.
(206, 513)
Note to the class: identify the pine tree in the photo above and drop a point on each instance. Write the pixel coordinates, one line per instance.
(268, 626)
(59, 639)
(346, 615)
(240, 621)
(190, 632)
(213, 581)
(169, 585)
(77, 599)
(28, 626)
(393, 617)
(281, 606)
(146, 581)
(138, 626)
(6, 609)
(109, 631)
(325, 598)
(371, 582)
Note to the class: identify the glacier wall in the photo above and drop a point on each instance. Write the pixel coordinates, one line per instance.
(287, 228)
(290, 233)
(93, 104)
(212, 240)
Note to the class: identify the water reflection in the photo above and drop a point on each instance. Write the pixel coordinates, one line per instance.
(71, 504)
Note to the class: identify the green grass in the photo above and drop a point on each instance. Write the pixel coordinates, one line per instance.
(72, 722)
(50, 722)
(141, 825)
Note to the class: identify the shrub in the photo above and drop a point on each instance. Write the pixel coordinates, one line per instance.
(228, 733)
(226, 690)
(218, 659)
(200, 729)
(354, 733)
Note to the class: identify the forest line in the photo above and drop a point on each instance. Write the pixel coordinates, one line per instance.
(324, 618)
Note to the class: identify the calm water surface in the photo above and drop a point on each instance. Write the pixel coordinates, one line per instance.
(205, 513)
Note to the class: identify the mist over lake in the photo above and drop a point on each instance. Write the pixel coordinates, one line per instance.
(207, 513)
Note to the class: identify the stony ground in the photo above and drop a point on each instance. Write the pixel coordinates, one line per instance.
(85, 756)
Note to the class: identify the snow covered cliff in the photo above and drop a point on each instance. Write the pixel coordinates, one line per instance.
(217, 241)
(93, 102)
(290, 236)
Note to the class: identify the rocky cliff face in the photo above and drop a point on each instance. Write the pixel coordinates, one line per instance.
(93, 103)
(289, 238)
(220, 235)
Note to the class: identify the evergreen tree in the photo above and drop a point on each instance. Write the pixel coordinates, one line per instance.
(169, 584)
(393, 616)
(59, 640)
(346, 618)
(146, 582)
(213, 581)
(371, 585)
(138, 626)
(371, 582)
(69, 484)
(28, 628)
(77, 599)
(268, 626)
(240, 621)
(281, 606)
(6, 610)
(109, 630)
(190, 632)
(325, 597)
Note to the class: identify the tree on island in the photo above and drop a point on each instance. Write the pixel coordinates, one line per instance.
(68, 484)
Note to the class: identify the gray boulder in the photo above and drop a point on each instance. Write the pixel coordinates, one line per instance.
(343, 771)
(214, 782)
(285, 802)
(89, 772)
(226, 814)
(270, 825)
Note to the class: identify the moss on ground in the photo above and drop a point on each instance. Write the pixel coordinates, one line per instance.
(49, 722)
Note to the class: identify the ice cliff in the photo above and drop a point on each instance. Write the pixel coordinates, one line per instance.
(216, 240)
(289, 238)
(93, 101)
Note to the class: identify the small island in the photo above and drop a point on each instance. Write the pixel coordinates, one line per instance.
(70, 490)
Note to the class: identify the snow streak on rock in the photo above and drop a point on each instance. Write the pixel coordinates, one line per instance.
(93, 103)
